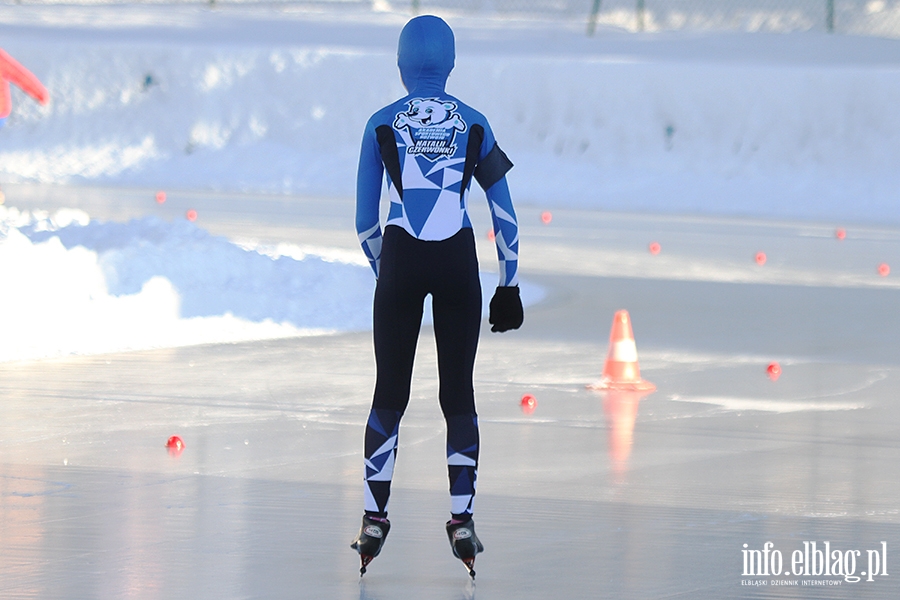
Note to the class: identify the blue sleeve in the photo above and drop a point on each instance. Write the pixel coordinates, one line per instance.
(503, 214)
(506, 231)
(368, 196)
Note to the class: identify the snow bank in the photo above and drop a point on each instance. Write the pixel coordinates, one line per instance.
(71, 285)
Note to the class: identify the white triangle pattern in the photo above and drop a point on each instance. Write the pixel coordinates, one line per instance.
(387, 471)
(460, 460)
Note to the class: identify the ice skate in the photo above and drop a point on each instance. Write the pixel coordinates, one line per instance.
(371, 538)
(465, 543)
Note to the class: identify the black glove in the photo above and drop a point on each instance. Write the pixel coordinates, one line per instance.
(506, 309)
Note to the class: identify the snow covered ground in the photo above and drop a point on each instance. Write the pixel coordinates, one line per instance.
(271, 99)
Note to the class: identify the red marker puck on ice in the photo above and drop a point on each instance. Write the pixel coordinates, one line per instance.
(160, 197)
(175, 445)
(546, 217)
(655, 248)
(840, 233)
(760, 258)
(884, 269)
(528, 404)
(191, 215)
(773, 371)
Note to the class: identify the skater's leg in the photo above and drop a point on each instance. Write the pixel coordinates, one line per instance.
(397, 318)
(462, 463)
(457, 320)
(381, 451)
(399, 296)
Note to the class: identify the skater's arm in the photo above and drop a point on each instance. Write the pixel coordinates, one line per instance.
(493, 165)
(368, 196)
(506, 311)
(506, 231)
(506, 306)
(490, 173)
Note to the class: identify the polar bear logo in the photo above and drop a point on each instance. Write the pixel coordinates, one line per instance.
(432, 124)
(430, 112)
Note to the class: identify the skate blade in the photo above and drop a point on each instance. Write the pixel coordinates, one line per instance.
(364, 559)
(470, 565)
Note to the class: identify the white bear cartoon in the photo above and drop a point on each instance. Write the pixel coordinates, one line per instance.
(430, 112)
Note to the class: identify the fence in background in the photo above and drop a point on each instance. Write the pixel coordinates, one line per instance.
(855, 17)
(860, 17)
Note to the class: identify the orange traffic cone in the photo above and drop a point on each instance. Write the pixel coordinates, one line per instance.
(621, 371)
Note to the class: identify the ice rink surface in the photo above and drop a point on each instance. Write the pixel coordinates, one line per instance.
(591, 496)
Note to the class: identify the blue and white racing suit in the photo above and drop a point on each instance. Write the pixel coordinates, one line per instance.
(430, 145)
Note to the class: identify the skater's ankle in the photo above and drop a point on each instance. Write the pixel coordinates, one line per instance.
(457, 519)
(380, 517)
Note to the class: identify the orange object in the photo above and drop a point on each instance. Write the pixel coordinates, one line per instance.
(12, 71)
(491, 234)
(760, 258)
(191, 215)
(621, 371)
(5, 99)
(175, 445)
(546, 217)
(528, 404)
(884, 269)
(840, 233)
(160, 197)
(621, 409)
(655, 248)
(773, 371)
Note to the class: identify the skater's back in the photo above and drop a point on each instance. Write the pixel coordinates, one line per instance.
(432, 145)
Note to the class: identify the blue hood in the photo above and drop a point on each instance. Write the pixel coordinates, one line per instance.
(426, 55)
